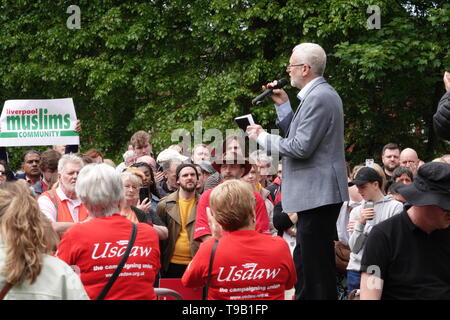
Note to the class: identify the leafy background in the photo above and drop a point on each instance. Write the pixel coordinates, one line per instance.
(161, 65)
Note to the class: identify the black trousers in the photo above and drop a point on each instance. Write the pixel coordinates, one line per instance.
(314, 256)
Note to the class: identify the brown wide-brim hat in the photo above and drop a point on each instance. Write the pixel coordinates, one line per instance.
(232, 158)
(431, 186)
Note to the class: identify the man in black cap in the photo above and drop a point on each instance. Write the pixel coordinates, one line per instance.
(178, 212)
(408, 255)
(370, 187)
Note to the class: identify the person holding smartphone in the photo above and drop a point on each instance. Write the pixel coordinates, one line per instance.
(375, 208)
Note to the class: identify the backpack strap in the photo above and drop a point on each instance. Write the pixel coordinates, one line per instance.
(211, 260)
(121, 264)
(5, 290)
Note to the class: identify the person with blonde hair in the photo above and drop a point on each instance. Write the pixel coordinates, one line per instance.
(247, 265)
(384, 180)
(135, 210)
(27, 242)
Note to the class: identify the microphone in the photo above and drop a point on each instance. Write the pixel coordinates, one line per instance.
(280, 84)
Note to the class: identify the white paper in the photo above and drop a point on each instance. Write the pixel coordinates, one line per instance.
(248, 116)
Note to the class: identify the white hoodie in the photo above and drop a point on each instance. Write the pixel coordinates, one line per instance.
(384, 208)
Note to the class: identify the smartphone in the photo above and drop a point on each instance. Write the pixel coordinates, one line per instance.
(369, 204)
(143, 193)
(369, 163)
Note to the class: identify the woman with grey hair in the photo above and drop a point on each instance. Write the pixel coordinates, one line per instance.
(133, 209)
(95, 248)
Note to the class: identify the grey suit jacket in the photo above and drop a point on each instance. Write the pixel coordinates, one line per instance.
(314, 171)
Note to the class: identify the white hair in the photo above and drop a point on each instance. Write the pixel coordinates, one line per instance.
(69, 158)
(311, 54)
(129, 176)
(260, 156)
(127, 154)
(100, 189)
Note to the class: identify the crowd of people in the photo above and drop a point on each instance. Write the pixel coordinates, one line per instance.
(241, 224)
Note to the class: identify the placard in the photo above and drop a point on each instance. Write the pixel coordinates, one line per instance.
(38, 123)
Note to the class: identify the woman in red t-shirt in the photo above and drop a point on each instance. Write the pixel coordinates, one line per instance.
(95, 248)
(247, 265)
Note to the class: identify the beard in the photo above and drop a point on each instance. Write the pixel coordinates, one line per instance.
(187, 188)
(293, 84)
(391, 167)
(230, 177)
(67, 187)
(296, 83)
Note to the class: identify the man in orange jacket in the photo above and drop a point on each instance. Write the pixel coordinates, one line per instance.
(62, 205)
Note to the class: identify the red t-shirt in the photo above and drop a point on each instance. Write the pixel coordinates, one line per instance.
(96, 248)
(201, 220)
(247, 266)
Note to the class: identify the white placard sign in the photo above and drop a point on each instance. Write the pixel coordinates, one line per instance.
(38, 123)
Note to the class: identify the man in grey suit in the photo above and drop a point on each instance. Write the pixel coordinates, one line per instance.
(314, 172)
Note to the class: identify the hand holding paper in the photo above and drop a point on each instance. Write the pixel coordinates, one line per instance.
(244, 121)
(254, 131)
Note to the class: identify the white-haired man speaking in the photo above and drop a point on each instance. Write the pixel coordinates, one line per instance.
(314, 171)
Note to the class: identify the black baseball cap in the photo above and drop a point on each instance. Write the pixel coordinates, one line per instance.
(365, 175)
(184, 165)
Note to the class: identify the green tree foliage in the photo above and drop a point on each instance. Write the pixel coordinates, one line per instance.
(161, 65)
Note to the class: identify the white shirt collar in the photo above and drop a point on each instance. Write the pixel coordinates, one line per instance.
(304, 90)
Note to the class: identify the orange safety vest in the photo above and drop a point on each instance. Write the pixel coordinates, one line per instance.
(62, 210)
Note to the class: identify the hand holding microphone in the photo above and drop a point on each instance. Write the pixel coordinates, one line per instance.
(278, 95)
(273, 89)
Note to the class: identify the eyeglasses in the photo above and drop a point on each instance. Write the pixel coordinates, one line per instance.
(135, 187)
(296, 65)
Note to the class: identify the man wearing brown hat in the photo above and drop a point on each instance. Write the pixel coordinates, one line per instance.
(408, 255)
(230, 166)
